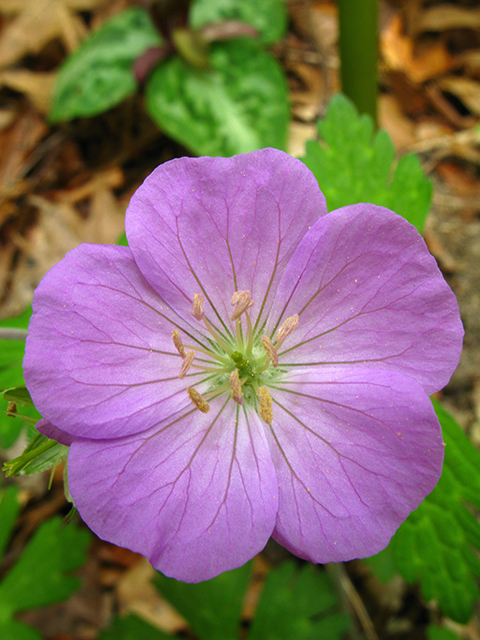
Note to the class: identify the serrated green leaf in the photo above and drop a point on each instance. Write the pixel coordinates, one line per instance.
(16, 630)
(132, 628)
(238, 105)
(269, 17)
(211, 608)
(18, 395)
(352, 164)
(99, 74)
(438, 543)
(298, 603)
(40, 576)
(9, 510)
(11, 375)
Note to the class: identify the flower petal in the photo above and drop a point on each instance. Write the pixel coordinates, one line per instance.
(219, 225)
(197, 495)
(369, 293)
(355, 452)
(45, 428)
(100, 360)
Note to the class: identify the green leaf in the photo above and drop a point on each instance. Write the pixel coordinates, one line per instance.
(9, 510)
(440, 633)
(15, 630)
(238, 105)
(132, 628)
(40, 576)
(439, 542)
(11, 375)
(18, 395)
(353, 164)
(99, 74)
(298, 603)
(269, 17)
(211, 608)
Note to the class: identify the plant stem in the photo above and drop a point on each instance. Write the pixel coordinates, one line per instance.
(359, 53)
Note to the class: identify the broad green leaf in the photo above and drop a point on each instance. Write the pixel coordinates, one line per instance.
(441, 633)
(18, 395)
(269, 17)
(11, 375)
(99, 74)
(353, 164)
(16, 630)
(132, 628)
(238, 105)
(439, 542)
(298, 603)
(40, 577)
(9, 510)
(212, 608)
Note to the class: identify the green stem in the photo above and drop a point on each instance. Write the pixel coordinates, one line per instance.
(359, 53)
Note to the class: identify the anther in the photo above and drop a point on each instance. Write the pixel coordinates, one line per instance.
(243, 301)
(236, 387)
(197, 400)
(270, 349)
(265, 405)
(177, 341)
(186, 364)
(287, 327)
(197, 306)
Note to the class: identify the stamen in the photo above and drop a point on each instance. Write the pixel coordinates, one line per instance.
(265, 405)
(286, 328)
(236, 387)
(270, 349)
(217, 337)
(177, 341)
(243, 301)
(197, 400)
(186, 364)
(197, 306)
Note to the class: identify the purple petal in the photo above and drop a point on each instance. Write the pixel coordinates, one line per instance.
(218, 225)
(369, 293)
(197, 495)
(47, 429)
(100, 360)
(355, 452)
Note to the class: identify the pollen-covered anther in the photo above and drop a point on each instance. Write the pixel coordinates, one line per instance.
(287, 327)
(197, 400)
(177, 341)
(186, 364)
(197, 306)
(243, 301)
(270, 349)
(236, 387)
(265, 405)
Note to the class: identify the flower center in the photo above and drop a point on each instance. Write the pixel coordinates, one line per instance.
(239, 363)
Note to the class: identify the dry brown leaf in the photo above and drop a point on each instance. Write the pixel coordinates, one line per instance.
(398, 51)
(37, 87)
(136, 594)
(391, 118)
(465, 89)
(38, 22)
(17, 143)
(447, 16)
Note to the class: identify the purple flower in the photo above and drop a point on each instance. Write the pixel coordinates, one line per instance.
(251, 366)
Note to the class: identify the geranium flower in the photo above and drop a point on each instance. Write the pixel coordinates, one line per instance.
(250, 366)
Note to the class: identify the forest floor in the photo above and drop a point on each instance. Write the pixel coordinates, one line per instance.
(71, 183)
